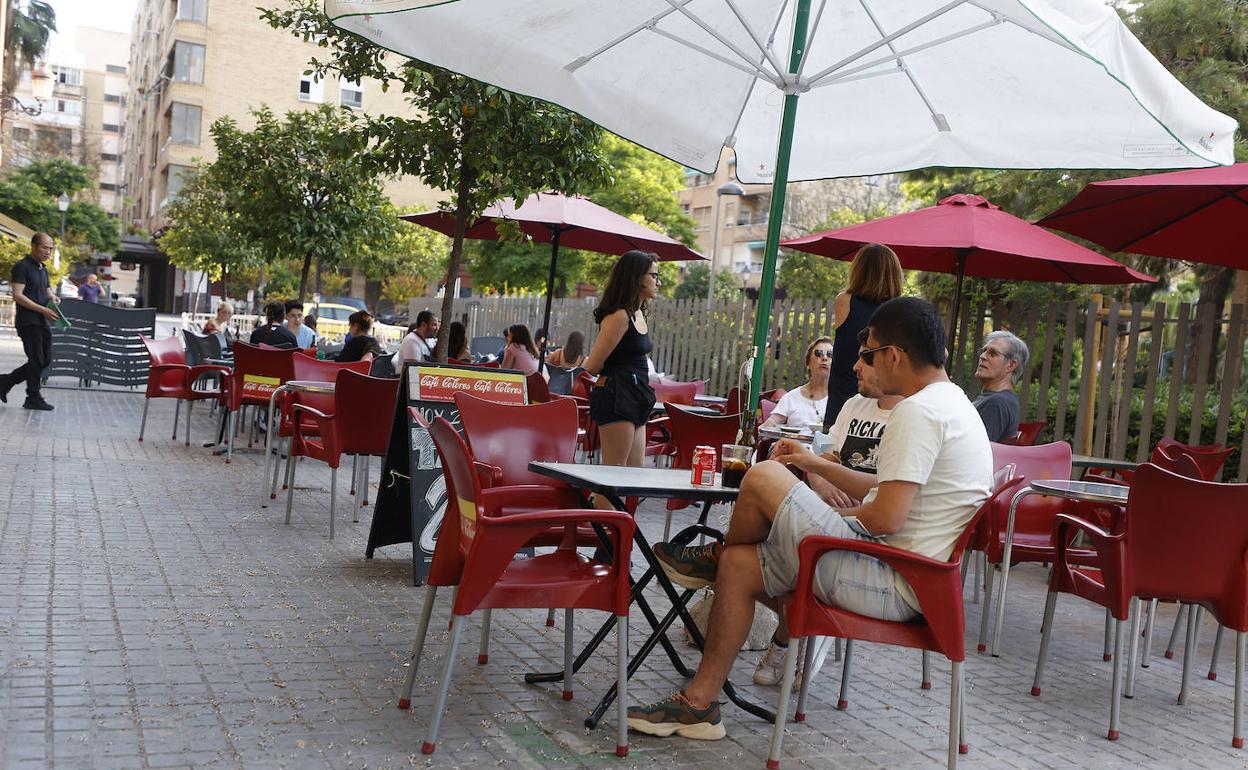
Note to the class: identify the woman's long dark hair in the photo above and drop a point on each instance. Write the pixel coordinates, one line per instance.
(457, 340)
(520, 336)
(623, 289)
(573, 350)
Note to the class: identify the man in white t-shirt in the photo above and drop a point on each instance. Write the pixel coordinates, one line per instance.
(418, 343)
(934, 471)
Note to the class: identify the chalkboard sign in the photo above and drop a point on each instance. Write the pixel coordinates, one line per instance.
(412, 498)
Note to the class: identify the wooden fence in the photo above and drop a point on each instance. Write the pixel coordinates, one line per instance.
(1110, 378)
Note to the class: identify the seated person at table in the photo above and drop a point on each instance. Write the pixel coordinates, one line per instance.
(806, 405)
(304, 335)
(1001, 364)
(457, 342)
(571, 355)
(271, 332)
(361, 346)
(418, 343)
(935, 470)
(520, 352)
(220, 322)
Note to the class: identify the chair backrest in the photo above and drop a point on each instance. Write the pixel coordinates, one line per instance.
(510, 437)
(539, 393)
(1208, 460)
(196, 347)
(736, 397)
(305, 368)
(561, 379)
(767, 406)
(689, 430)
(262, 366)
(1194, 557)
(1028, 433)
(486, 346)
(163, 350)
(463, 487)
(1043, 461)
(582, 384)
(364, 407)
(699, 386)
(676, 392)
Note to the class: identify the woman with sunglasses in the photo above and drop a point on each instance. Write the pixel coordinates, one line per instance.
(875, 277)
(807, 404)
(621, 400)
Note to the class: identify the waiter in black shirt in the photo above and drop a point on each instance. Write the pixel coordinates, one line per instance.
(29, 282)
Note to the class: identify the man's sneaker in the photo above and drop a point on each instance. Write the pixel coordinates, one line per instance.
(676, 715)
(693, 566)
(38, 405)
(770, 669)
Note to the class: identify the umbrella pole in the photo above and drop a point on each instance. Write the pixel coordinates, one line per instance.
(775, 218)
(550, 293)
(957, 307)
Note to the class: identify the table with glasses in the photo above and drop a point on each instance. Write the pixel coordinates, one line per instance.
(616, 483)
(290, 386)
(1088, 491)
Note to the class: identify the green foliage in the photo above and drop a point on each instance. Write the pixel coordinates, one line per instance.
(56, 176)
(643, 187)
(204, 230)
(697, 280)
(28, 194)
(302, 186)
(30, 29)
(11, 252)
(810, 276)
(411, 261)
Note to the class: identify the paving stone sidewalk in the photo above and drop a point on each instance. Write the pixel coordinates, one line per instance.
(153, 615)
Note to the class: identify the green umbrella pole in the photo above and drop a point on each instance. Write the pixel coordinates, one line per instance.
(774, 220)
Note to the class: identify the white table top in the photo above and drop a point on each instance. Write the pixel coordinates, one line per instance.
(310, 386)
(641, 482)
(1082, 490)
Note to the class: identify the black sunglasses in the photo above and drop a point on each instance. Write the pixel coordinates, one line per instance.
(868, 356)
(821, 353)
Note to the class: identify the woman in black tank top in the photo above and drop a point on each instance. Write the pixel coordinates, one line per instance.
(622, 399)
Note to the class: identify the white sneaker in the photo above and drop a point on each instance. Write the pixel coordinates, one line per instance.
(770, 669)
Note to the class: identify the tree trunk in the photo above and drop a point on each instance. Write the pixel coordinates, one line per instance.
(303, 277)
(1215, 287)
(318, 277)
(462, 211)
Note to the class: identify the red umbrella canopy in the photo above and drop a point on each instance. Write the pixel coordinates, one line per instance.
(966, 234)
(581, 224)
(1192, 215)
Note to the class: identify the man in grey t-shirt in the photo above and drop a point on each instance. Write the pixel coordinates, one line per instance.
(1001, 364)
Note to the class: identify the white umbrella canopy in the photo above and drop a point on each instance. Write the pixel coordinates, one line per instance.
(884, 85)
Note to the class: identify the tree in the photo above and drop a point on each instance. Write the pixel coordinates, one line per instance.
(204, 231)
(698, 278)
(410, 262)
(31, 25)
(810, 276)
(476, 141)
(302, 186)
(28, 194)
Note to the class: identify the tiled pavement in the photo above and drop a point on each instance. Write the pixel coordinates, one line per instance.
(152, 615)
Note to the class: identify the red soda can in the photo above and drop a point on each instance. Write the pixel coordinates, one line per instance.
(703, 471)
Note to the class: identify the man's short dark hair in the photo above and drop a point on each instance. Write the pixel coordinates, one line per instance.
(274, 312)
(863, 333)
(913, 325)
(424, 317)
(294, 304)
(361, 319)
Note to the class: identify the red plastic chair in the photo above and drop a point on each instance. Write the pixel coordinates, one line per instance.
(481, 561)
(170, 377)
(1028, 433)
(940, 628)
(1209, 459)
(1196, 558)
(767, 406)
(350, 427)
(257, 373)
(675, 392)
(539, 391)
(699, 386)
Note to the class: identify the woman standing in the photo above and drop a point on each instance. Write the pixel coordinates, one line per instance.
(622, 399)
(807, 404)
(875, 277)
(520, 352)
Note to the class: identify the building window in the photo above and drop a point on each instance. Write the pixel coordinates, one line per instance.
(351, 94)
(108, 186)
(176, 177)
(21, 134)
(109, 156)
(67, 106)
(54, 140)
(184, 122)
(311, 90)
(186, 63)
(116, 69)
(114, 98)
(112, 128)
(68, 76)
(193, 10)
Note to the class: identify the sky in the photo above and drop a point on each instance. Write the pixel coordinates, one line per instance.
(105, 14)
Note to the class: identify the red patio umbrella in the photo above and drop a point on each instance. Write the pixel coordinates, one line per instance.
(1191, 215)
(967, 235)
(562, 220)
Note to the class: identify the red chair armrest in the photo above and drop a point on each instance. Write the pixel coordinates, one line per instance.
(490, 475)
(1111, 554)
(160, 369)
(203, 369)
(536, 496)
(326, 426)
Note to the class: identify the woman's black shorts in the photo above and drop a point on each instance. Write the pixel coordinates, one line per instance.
(626, 396)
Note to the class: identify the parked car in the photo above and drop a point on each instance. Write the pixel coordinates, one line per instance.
(331, 323)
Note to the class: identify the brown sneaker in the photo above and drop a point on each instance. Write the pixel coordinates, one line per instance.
(690, 566)
(677, 715)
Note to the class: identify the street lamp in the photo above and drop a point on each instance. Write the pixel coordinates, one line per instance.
(727, 188)
(41, 85)
(62, 205)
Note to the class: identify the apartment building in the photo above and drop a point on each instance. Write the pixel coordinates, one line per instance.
(194, 61)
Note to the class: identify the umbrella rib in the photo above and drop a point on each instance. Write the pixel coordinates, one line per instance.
(900, 63)
(1177, 218)
(581, 61)
(708, 29)
(907, 29)
(731, 139)
(754, 72)
(766, 49)
(828, 80)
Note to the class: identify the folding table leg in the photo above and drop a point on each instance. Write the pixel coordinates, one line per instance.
(567, 653)
(621, 685)
(782, 705)
(1050, 604)
(1217, 650)
(444, 686)
(418, 646)
(1174, 632)
(483, 651)
(1148, 633)
(1136, 608)
(143, 422)
(842, 702)
(1115, 688)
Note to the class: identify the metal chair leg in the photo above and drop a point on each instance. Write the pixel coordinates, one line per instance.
(355, 471)
(364, 480)
(189, 404)
(1217, 650)
(926, 682)
(567, 653)
(229, 444)
(418, 646)
(808, 666)
(782, 705)
(483, 649)
(1174, 632)
(1137, 608)
(1050, 604)
(955, 714)
(550, 618)
(842, 702)
(444, 686)
(1000, 614)
(1115, 688)
(277, 464)
(836, 650)
(1189, 650)
(333, 497)
(290, 483)
(621, 685)
(1237, 738)
(963, 746)
(1109, 619)
(177, 411)
(1148, 634)
(990, 579)
(979, 557)
(143, 422)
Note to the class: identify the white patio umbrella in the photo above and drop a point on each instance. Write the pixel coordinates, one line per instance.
(884, 85)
